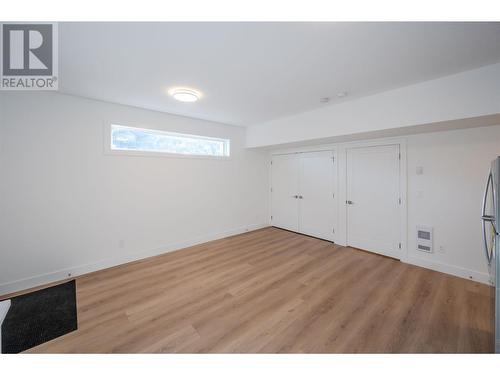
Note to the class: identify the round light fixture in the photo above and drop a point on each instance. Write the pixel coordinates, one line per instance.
(186, 95)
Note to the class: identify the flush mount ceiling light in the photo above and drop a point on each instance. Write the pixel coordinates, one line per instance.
(342, 94)
(183, 94)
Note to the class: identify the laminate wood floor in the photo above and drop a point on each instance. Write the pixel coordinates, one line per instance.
(273, 291)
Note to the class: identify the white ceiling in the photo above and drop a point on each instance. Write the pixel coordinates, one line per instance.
(254, 72)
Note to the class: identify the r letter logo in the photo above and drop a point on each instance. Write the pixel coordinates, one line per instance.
(29, 56)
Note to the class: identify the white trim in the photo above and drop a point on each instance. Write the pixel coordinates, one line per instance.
(62, 274)
(269, 192)
(336, 185)
(449, 269)
(340, 150)
(403, 211)
(336, 192)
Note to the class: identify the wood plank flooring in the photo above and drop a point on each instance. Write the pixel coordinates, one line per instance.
(273, 291)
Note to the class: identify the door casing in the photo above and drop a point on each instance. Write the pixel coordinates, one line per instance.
(334, 200)
(386, 217)
(339, 150)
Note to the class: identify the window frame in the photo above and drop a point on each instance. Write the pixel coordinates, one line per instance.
(108, 150)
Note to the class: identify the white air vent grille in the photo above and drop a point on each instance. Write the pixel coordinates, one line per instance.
(424, 238)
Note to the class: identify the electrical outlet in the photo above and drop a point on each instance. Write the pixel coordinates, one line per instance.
(442, 250)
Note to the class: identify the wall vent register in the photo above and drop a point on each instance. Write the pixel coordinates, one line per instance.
(424, 239)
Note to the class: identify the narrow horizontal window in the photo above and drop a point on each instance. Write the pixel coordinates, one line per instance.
(125, 138)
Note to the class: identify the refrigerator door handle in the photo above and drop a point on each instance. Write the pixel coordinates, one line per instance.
(487, 218)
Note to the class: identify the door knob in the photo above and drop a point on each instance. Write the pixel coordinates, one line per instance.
(300, 197)
(295, 196)
(349, 202)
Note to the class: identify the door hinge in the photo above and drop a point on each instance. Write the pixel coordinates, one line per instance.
(271, 162)
(399, 156)
(271, 190)
(271, 217)
(333, 230)
(333, 159)
(399, 200)
(333, 195)
(399, 245)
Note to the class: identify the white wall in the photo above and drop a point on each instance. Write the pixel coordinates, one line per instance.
(66, 207)
(447, 195)
(470, 94)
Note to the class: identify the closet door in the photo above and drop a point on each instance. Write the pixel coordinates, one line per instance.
(373, 199)
(316, 194)
(284, 194)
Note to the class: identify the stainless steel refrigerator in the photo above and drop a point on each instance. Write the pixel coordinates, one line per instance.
(491, 220)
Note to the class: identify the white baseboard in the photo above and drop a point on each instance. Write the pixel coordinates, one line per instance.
(62, 274)
(449, 269)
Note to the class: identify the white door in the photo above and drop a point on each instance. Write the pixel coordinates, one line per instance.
(316, 194)
(373, 205)
(285, 188)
